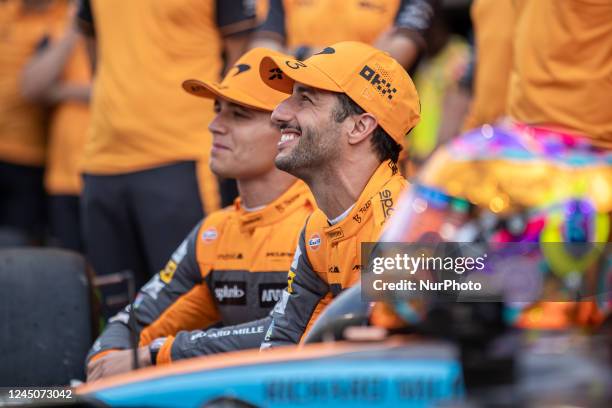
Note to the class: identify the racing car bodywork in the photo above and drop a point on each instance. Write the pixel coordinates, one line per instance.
(359, 374)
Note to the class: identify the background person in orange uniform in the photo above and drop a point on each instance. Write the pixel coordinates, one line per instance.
(59, 77)
(494, 23)
(304, 27)
(233, 266)
(23, 25)
(140, 194)
(562, 71)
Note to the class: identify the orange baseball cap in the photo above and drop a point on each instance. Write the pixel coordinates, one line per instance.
(369, 76)
(242, 84)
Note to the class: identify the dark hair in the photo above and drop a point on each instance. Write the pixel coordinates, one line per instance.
(385, 147)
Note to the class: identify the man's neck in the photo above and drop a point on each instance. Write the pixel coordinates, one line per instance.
(261, 191)
(339, 187)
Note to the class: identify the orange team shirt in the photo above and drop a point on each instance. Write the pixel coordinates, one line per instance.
(316, 23)
(22, 129)
(494, 23)
(68, 128)
(141, 117)
(563, 66)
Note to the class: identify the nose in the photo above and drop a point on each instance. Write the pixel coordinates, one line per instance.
(283, 113)
(216, 126)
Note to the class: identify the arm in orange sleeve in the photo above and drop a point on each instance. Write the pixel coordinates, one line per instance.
(194, 310)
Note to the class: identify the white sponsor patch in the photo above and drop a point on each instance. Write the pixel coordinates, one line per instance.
(180, 252)
(296, 257)
(122, 317)
(209, 235)
(282, 304)
(198, 335)
(153, 287)
(314, 242)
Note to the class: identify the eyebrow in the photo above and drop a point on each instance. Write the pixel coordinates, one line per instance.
(232, 105)
(305, 89)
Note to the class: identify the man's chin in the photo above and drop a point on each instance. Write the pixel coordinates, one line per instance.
(220, 171)
(284, 162)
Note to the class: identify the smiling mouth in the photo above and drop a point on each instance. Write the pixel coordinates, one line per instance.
(288, 136)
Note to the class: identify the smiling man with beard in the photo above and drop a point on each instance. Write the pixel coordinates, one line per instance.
(350, 107)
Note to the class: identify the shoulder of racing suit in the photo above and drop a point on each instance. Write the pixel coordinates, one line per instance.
(334, 251)
(192, 278)
(328, 258)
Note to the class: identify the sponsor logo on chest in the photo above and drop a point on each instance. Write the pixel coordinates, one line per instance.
(230, 292)
(270, 293)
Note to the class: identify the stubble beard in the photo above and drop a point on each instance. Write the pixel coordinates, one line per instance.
(310, 155)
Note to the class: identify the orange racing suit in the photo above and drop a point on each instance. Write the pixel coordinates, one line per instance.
(231, 269)
(328, 258)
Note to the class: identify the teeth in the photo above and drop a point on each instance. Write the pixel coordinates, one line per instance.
(286, 137)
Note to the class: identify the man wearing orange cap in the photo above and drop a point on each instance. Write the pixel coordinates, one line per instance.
(232, 268)
(350, 107)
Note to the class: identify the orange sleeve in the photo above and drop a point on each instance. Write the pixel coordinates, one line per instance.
(194, 310)
(165, 356)
(323, 303)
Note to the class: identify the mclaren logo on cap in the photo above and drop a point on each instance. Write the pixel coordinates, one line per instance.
(383, 86)
(242, 68)
(326, 50)
(276, 74)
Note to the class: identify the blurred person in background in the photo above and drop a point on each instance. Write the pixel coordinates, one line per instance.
(302, 28)
(59, 77)
(493, 22)
(141, 194)
(24, 24)
(562, 67)
(438, 79)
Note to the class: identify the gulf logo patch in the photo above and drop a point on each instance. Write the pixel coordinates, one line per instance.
(314, 242)
(209, 235)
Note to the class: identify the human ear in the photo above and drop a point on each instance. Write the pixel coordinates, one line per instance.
(361, 127)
